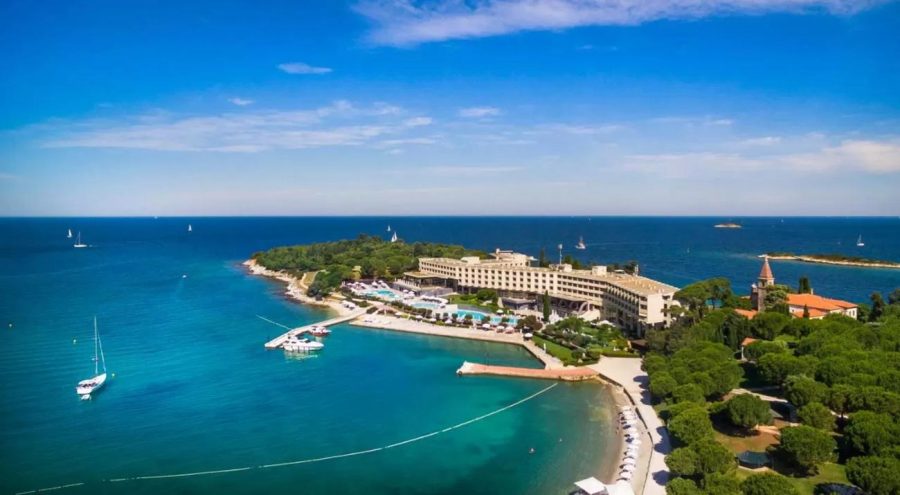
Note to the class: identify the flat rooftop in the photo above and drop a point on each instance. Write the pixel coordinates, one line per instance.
(633, 283)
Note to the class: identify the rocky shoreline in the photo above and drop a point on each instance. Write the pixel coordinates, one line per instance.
(823, 261)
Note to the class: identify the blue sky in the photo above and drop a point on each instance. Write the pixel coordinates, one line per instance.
(697, 107)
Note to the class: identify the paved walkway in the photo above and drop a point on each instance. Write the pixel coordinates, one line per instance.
(567, 374)
(627, 372)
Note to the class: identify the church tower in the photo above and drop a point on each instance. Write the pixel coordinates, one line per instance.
(758, 290)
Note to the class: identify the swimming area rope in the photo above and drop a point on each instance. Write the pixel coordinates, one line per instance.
(305, 461)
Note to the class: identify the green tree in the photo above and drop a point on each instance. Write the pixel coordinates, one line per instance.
(721, 484)
(767, 484)
(747, 411)
(760, 348)
(870, 433)
(801, 390)
(894, 297)
(713, 457)
(662, 385)
(807, 447)
(546, 303)
(838, 399)
(691, 425)
(542, 258)
(769, 324)
(804, 287)
(805, 312)
(815, 414)
(683, 462)
(877, 306)
(875, 475)
(682, 486)
(690, 392)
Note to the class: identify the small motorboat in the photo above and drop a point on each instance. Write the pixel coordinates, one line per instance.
(302, 345)
(320, 331)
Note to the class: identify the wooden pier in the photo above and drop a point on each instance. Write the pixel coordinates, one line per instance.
(278, 341)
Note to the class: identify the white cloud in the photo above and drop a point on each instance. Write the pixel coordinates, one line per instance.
(417, 121)
(761, 141)
(849, 156)
(301, 68)
(409, 22)
(479, 112)
(241, 102)
(879, 157)
(470, 171)
(338, 124)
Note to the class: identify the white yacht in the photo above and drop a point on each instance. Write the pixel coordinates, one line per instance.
(293, 344)
(859, 242)
(389, 228)
(190, 229)
(394, 237)
(78, 243)
(86, 387)
(69, 235)
(580, 244)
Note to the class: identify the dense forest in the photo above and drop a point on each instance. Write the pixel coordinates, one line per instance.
(335, 261)
(841, 374)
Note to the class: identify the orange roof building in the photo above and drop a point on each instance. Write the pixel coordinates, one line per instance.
(817, 307)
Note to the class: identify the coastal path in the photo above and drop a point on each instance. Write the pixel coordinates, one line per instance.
(627, 373)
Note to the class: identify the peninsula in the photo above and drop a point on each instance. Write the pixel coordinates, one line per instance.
(728, 225)
(833, 259)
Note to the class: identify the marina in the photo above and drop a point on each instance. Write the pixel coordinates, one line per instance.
(294, 333)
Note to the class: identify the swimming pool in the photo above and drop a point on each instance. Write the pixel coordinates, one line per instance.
(426, 305)
(478, 315)
(383, 293)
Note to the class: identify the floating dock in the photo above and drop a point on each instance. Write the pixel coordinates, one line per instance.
(278, 341)
(567, 374)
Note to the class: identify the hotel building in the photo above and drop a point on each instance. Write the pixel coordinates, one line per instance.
(633, 302)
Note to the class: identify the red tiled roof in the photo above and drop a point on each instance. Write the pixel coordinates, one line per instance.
(813, 301)
(746, 313)
(747, 341)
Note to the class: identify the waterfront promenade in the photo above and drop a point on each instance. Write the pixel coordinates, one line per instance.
(567, 374)
(627, 373)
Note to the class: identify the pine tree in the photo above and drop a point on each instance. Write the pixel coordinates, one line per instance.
(546, 306)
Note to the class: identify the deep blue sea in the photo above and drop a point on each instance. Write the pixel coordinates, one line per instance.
(194, 389)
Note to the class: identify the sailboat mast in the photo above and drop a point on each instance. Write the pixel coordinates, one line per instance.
(100, 345)
(96, 347)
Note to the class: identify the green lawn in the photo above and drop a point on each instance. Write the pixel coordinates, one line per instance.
(828, 473)
(562, 353)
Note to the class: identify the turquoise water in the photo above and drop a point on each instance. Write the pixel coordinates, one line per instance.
(195, 390)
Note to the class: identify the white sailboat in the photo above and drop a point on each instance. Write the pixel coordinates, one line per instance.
(86, 387)
(69, 235)
(78, 243)
(394, 237)
(389, 228)
(580, 244)
(190, 229)
(859, 241)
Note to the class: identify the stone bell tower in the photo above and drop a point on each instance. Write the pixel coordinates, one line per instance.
(758, 290)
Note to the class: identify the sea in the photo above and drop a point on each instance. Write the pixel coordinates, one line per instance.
(195, 404)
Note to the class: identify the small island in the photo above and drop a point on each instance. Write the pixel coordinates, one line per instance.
(833, 259)
(728, 225)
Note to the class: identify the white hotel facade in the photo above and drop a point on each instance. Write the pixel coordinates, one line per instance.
(633, 302)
